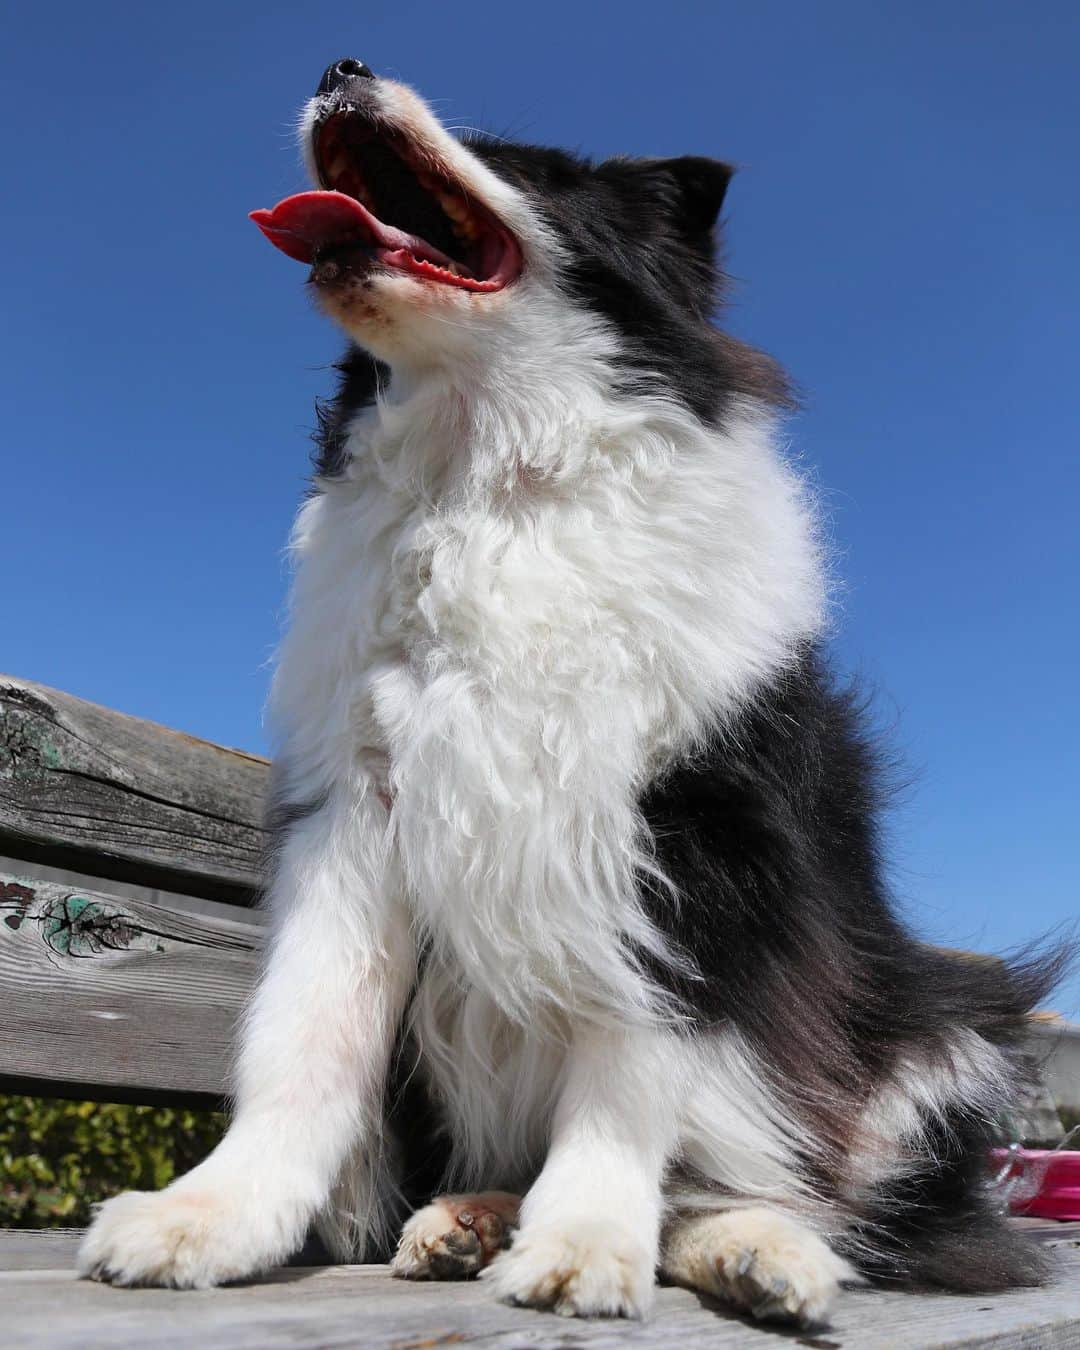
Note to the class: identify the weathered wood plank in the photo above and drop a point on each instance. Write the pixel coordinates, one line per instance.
(46, 1309)
(38, 1248)
(118, 997)
(55, 1248)
(92, 789)
(128, 890)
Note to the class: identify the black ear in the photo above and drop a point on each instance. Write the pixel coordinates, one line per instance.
(701, 184)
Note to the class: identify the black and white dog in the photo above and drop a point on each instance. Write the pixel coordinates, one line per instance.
(576, 890)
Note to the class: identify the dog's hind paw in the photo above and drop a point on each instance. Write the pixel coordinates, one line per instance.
(761, 1261)
(455, 1236)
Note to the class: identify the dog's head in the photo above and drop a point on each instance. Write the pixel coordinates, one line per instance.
(422, 245)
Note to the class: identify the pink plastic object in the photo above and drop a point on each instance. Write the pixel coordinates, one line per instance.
(1040, 1183)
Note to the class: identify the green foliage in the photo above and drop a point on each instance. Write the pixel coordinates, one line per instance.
(58, 1158)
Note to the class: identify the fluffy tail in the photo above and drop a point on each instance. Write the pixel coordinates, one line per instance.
(929, 1218)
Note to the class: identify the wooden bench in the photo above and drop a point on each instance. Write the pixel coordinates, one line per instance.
(129, 861)
(131, 857)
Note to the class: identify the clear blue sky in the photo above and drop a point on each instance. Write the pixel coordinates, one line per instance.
(905, 236)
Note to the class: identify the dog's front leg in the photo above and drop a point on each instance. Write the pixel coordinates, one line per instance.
(590, 1225)
(310, 1073)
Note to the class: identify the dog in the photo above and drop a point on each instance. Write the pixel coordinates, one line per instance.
(576, 891)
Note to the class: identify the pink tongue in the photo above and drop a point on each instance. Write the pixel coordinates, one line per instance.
(303, 224)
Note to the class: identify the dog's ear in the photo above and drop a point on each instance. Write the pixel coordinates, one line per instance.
(701, 184)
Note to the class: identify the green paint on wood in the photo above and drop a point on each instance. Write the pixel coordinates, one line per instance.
(76, 926)
(61, 920)
(27, 750)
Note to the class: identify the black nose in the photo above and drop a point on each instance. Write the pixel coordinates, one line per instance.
(341, 72)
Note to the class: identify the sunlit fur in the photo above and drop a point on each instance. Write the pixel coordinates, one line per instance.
(575, 839)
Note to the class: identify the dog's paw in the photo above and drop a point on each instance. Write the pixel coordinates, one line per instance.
(181, 1238)
(584, 1269)
(762, 1261)
(455, 1236)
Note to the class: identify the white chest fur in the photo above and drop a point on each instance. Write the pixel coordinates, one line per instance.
(512, 657)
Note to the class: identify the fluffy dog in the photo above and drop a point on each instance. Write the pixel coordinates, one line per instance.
(576, 890)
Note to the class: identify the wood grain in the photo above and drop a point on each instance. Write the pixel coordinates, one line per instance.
(118, 998)
(85, 787)
(45, 1308)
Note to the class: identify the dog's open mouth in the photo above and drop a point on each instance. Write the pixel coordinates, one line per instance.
(387, 202)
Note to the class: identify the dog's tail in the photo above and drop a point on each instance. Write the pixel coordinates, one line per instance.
(929, 1216)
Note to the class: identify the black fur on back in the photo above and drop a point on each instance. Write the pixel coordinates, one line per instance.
(770, 837)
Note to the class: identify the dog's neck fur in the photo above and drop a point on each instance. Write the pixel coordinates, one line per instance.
(468, 452)
(497, 409)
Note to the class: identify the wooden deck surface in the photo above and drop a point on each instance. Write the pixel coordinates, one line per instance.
(43, 1305)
